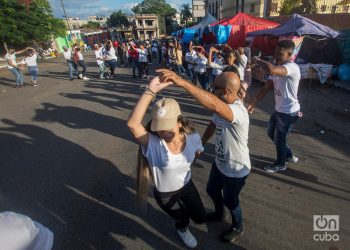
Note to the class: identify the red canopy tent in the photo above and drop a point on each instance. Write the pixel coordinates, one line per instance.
(241, 25)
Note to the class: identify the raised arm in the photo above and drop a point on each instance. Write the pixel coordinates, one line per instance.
(135, 119)
(204, 98)
(270, 68)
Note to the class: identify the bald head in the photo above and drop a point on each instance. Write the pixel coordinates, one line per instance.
(228, 80)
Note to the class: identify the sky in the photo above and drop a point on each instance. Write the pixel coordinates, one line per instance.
(85, 8)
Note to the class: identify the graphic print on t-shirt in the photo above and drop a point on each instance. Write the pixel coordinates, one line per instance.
(219, 145)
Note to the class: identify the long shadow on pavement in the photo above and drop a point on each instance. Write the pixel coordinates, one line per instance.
(85, 200)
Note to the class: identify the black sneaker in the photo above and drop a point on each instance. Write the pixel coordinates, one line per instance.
(213, 216)
(231, 235)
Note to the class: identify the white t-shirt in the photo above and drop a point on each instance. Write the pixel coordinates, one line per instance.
(99, 54)
(242, 64)
(217, 66)
(201, 64)
(110, 55)
(68, 55)
(286, 89)
(231, 142)
(190, 57)
(31, 60)
(142, 55)
(80, 55)
(12, 58)
(171, 171)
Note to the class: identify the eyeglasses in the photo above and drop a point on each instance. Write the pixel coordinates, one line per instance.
(214, 87)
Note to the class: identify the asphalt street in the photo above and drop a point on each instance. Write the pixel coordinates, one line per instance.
(68, 161)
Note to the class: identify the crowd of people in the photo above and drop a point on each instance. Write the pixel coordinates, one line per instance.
(216, 76)
(170, 145)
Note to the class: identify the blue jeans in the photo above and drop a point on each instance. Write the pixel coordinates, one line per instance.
(225, 190)
(33, 71)
(135, 65)
(72, 68)
(19, 76)
(279, 127)
(203, 80)
(180, 69)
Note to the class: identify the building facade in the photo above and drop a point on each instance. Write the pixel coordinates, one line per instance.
(101, 19)
(263, 8)
(146, 26)
(198, 9)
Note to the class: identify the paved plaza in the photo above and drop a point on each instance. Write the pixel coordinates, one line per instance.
(68, 160)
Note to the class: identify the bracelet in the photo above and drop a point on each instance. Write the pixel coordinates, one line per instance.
(147, 88)
(148, 92)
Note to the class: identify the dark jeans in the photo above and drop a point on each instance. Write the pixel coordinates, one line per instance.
(203, 80)
(81, 63)
(143, 68)
(112, 65)
(279, 127)
(225, 190)
(135, 65)
(181, 205)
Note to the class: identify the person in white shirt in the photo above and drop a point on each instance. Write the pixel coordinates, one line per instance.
(12, 65)
(241, 61)
(143, 61)
(200, 68)
(100, 61)
(110, 56)
(190, 57)
(230, 124)
(169, 146)
(78, 59)
(72, 67)
(285, 77)
(217, 64)
(32, 65)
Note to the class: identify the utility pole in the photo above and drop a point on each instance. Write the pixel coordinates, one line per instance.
(65, 15)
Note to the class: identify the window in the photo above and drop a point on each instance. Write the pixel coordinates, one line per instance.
(345, 8)
(274, 7)
(195, 7)
(334, 9)
(252, 8)
(149, 23)
(323, 8)
(210, 11)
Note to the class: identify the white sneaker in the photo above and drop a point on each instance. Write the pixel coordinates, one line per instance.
(292, 159)
(86, 78)
(187, 238)
(80, 76)
(273, 168)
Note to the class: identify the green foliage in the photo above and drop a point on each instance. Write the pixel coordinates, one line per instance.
(90, 25)
(118, 18)
(158, 7)
(299, 7)
(185, 13)
(19, 26)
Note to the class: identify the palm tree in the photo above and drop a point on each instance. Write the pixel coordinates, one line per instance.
(185, 13)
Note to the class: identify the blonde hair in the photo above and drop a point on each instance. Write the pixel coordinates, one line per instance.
(144, 174)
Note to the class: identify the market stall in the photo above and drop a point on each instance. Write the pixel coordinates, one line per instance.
(316, 50)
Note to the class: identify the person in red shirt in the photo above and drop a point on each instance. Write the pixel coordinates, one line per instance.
(115, 44)
(134, 55)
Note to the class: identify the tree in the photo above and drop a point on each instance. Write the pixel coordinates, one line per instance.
(118, 18)
(158, 7)
(90, 25)
(298, 6)
(21, 25)
(185, 13)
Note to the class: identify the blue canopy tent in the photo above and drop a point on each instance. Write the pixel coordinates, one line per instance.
(188, 33)
(319, 45)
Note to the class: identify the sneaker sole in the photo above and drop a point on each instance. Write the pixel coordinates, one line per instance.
(233, 240)
(275, 171)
